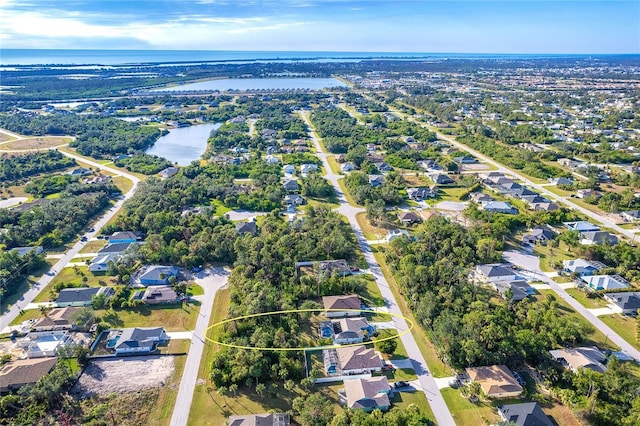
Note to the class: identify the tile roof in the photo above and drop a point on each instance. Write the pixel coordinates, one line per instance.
(358, 357)
(25, 371)
(494, 379)
(367, 393)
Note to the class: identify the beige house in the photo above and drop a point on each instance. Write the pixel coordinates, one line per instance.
(154, 295)
(351, 360)
(265, 419)
(368, 394)
(16, 374)
(350, 304)
(578, 358)
(496, 381)
(57, 319)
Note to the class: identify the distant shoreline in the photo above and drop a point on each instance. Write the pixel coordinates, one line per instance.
(25, 58)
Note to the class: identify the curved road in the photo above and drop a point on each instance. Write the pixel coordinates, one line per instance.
(10, 314)
(427, 383)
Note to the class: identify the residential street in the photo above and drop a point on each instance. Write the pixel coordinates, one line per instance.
(538, 187)
(532, 263)
(9, 315)
(426, 382)
(211, 280)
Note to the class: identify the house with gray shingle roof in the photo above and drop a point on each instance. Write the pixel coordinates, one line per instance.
(136, 340)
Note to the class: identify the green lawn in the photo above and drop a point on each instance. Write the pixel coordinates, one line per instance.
(73, 275)
(195, 290)
(175, 317)
(624, 326)
(370, 232)
(549, 256)
(452, 193)
(398, 374)
(372, 296)
(28, 315)
(560, 192)
(402, 400)
(466, 412)
(204, 404)
(93, 246)
(220, 208)
(582, 297)
(400, 352)
(562, 279)
(320, 202)
(333, 164)
(346, 193)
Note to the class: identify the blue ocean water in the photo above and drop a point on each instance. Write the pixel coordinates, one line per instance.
(120, 57)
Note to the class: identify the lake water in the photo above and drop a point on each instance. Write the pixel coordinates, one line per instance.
(258, 84)
(183, 145)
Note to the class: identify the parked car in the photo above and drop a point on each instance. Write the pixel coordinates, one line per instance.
(400, 384)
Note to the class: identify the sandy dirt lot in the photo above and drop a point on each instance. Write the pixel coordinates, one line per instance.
(104, 376)
(35, 143)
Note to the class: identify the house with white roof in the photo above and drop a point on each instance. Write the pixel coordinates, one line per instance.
(605, 282)
(576, 359)
(582, 267)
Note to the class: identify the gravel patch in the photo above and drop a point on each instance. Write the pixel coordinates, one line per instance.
(452, 205)
(234, 215)
(105, 376)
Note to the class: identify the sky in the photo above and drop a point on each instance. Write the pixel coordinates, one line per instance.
(518, 26)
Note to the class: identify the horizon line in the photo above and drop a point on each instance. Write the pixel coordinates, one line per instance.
(326, 51)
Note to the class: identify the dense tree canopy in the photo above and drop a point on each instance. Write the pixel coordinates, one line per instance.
(14, 167)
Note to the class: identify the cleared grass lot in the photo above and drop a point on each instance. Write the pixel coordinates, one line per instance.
(624, 326)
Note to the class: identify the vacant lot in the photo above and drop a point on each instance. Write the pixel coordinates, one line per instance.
(120, 375)
(35, 143)
(4, 137)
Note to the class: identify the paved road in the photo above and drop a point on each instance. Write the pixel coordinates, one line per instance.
(211, 280)
(9, 315)
(539, 187)
(532, 263)
(426, 382)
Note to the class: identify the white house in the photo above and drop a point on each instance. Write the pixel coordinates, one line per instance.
(605, 282)
(45, 343)
(308, 168)
(581, 267)
(270, 159)
(136, 340)
(347, 167)
(493, 272)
